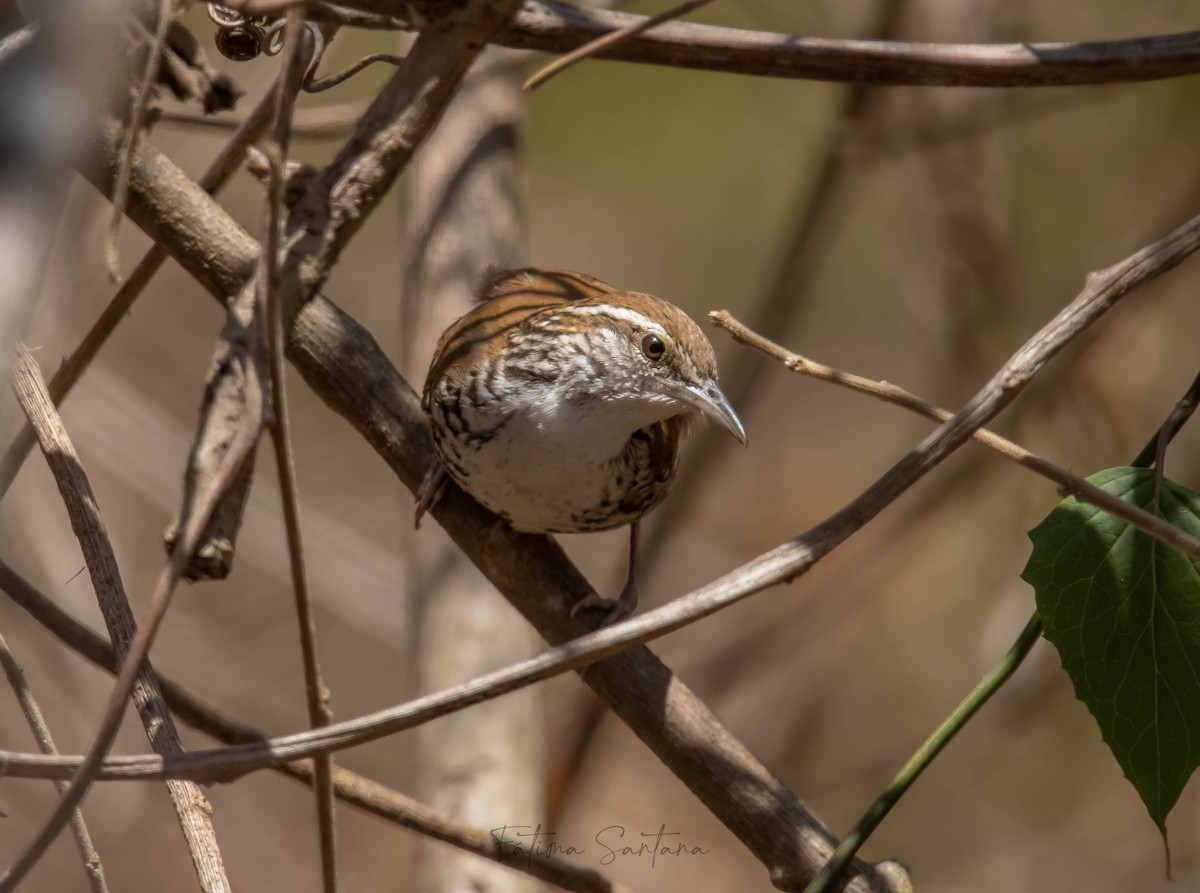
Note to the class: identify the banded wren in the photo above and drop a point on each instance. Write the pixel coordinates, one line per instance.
(559, 402)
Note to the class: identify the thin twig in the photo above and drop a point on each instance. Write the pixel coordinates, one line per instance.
(193, 809)
(223, 167)
(263, 7)
(600, 44)
(350, 787)
(133, 126)
(350, 71)
(296, 56)
(462, 212)
(1069, 484)
(1156, 449)
(926, 753)
(310, 123)
(93, 869)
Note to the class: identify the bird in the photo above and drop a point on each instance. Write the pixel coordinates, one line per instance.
(559, 402)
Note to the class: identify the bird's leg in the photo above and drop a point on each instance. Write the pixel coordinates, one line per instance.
(625, 603)
(433, 485)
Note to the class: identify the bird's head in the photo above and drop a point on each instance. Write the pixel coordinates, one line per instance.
(655, 357)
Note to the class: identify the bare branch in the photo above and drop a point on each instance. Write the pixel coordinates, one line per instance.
(350, 787)
(133, 129)
(296, 57)
(1069, 484)
(556, 27)
(223, 167)
(136, 677)
(610, 40)
(313, 122)
(340, 198)
(93, 869)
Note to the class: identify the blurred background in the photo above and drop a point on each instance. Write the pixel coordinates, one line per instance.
(948, 225)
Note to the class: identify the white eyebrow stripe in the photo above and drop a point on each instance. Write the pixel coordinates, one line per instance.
(623, 313)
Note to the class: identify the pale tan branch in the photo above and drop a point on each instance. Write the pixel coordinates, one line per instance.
(93, 868)
(350, 787)
(1068, 484)
(130, 641)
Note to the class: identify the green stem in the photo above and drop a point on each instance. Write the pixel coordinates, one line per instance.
(920, 760)
(1155, 448)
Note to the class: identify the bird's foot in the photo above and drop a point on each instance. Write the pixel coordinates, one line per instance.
(615, 610)
(433, 486)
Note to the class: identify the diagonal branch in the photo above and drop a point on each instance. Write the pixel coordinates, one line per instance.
(227, 162)
(93, 869)
(137, 677)
(354, 789)
(1069, 484)
(339, 199)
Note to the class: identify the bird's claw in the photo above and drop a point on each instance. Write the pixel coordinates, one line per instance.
(433, 486)
(615, 610)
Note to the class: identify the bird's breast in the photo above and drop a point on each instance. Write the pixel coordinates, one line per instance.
(548, 464)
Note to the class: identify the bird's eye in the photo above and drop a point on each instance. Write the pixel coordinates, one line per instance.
(653, 348)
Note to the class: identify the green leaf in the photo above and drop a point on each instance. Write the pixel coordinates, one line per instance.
(1123, 610)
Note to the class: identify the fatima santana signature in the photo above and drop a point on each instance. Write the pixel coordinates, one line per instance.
(611, 843)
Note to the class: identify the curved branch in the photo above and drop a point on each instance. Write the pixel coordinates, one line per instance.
(352, 788)
(556, 27)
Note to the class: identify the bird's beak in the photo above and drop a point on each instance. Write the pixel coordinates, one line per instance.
(708, 399)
